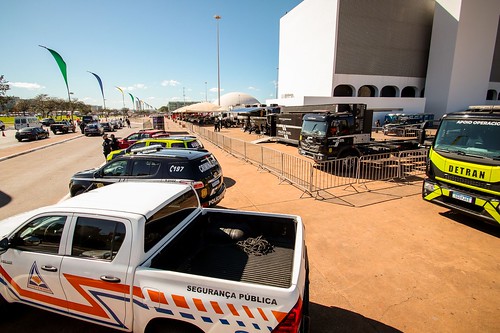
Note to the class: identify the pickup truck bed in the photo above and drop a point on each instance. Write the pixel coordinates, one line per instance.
(214, 246)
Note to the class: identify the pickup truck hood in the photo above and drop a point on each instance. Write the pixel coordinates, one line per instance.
(8, 225)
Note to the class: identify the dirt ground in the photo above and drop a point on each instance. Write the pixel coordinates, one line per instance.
(382, 259)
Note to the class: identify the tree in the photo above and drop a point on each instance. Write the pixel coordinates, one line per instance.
(4, 87)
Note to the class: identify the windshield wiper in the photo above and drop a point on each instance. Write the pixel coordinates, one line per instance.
(462, 153)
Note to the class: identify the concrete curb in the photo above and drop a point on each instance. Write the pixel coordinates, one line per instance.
(38, 148)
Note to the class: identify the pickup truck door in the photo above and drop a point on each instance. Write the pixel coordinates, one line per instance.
(31, 265)
(94, 273)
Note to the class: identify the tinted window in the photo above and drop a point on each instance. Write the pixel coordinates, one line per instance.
(138, 145)
(177, 145)
(115, 169)
(144, 168)
(167, 218)
(194, 144)
(97, 238)
(133, 137)
(41, 235)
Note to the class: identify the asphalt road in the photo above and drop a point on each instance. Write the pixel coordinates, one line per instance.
(389, 263)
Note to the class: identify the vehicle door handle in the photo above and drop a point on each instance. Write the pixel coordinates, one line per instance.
(111, 279)
(49, 268)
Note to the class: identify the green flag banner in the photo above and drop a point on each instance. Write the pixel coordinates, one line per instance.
(133, 99)
(60, 63)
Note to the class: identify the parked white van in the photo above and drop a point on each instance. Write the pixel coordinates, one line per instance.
(22, 122)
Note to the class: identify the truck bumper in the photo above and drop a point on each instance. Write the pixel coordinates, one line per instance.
(315, 156)
(486, 208)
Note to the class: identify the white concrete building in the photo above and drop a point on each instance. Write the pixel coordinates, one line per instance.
(433, 56)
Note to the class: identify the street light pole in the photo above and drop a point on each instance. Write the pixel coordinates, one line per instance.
(217, 18)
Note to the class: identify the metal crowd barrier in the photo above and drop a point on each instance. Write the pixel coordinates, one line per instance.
(314, 177)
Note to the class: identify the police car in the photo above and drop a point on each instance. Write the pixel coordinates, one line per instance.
(197, 167)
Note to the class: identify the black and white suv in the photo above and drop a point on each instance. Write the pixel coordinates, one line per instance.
(197, 167)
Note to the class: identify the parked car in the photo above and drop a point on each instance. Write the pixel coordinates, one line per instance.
(64, 126)
(93, 129)
(143, 134)
(31, 133)
(108, 127)
(186, 141)
(2, 126)
(48, 121)
(197, 167)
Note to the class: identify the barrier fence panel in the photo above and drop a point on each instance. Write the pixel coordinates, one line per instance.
(315, 177)
(297, 171)
(412, 162)
(272, 160)
(383, 166)
(334, 173)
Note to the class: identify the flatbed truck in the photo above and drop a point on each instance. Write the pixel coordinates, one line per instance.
(333, 131)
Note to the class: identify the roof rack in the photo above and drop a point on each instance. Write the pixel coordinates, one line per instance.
(484, 108)
(148, 149)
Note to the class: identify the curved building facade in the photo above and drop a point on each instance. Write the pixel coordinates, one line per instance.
(407, 55)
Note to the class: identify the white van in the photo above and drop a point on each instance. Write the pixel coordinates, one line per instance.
(22, 122)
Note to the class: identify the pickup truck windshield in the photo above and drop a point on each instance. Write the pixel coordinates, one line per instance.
(168, 217)
(478, 138)
(314, 127)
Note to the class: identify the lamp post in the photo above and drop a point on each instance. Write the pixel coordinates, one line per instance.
(206, 96)
(217, 18)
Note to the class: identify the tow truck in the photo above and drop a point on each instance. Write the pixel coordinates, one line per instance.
(463, 165)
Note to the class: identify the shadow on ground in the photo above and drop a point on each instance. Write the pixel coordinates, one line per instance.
(491, 229)
(229, 182)
(4, 199)
(326, 319)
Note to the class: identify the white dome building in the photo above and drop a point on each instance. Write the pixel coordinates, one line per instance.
(229, 100)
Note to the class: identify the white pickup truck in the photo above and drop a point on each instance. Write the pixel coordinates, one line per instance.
(160, 263)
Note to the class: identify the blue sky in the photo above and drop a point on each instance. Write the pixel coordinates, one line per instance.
(157, 50)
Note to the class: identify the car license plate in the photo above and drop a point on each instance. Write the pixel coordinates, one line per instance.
(215, 182)
(461, 197)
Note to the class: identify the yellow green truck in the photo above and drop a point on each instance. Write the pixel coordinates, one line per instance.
(463, 165)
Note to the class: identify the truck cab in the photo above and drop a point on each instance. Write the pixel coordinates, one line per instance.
(463, 168)
(331, 135)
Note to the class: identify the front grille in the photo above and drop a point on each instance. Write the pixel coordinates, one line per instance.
(467, 181)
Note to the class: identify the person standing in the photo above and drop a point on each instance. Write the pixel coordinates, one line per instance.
(114, 142)
(106, 146)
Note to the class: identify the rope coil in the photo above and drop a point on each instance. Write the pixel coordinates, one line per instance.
(257, 246)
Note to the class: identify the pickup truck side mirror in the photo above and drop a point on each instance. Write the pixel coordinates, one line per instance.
(4, 244)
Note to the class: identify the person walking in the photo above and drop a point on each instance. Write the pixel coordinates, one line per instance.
(106, 146)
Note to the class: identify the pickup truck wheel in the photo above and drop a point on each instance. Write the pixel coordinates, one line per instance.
(163, 326)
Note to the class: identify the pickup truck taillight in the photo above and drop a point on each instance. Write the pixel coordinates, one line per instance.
(291, 323)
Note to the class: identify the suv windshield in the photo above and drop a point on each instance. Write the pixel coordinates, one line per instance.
(477, 138)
